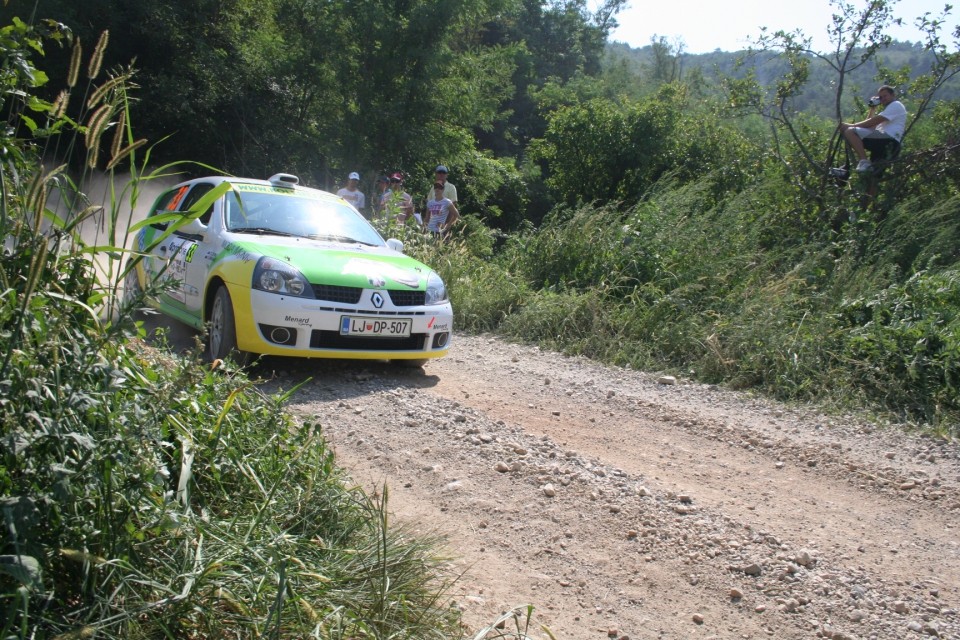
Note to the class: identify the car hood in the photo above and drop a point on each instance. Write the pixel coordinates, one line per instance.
(347, 265)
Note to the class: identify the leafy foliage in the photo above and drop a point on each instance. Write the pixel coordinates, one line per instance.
(903, 344)
(597, 152)
(146, 496)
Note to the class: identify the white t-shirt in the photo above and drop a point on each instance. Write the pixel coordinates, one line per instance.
(439, 210)
(356, 198)
(896, 115)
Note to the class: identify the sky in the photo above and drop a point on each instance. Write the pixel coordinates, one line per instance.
(707, 25)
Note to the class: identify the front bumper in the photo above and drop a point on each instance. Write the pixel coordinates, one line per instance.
(281, 325)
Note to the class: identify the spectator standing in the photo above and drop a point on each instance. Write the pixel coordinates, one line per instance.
(395, 202)
(352, 194)
(877, 130)
(382, 184)
(449, 189)
(441, 212)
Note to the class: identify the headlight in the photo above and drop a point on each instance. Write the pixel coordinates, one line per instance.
(436, 290)
(277, 276)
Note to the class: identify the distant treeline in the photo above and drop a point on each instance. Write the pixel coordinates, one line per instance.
(816, 97)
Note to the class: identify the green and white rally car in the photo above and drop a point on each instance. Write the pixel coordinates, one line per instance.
(272, 267)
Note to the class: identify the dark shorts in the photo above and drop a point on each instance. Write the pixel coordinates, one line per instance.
(881, 147)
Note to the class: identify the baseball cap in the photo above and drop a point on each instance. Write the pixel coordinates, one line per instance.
(440, 169)
(398, 177)
(383, 179)
(354, 176)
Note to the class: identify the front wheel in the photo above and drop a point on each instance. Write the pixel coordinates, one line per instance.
(222, 330)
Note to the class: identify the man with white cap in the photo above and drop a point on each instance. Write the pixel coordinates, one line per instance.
(351, 194)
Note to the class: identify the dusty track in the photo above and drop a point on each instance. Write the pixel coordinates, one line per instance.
(623, 507)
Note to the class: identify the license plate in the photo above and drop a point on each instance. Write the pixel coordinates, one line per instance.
(363, 326)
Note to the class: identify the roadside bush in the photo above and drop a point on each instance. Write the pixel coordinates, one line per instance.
(147, 496)
(600, 151)
(742, 292)
(572, 322)
(583, 249)
(902, 346)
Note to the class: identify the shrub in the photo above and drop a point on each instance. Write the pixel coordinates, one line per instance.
(148, 496)
(902, 346)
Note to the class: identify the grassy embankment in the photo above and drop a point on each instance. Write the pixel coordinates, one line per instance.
(146, 496)
(739, 291)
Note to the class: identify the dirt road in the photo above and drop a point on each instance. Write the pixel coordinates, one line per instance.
(622, 505)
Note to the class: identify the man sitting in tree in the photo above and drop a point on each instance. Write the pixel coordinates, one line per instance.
(878, 130)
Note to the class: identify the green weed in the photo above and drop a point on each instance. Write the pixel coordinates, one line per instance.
(146, 496)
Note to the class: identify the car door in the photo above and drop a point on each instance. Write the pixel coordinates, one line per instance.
(192, 254)
(175, 259)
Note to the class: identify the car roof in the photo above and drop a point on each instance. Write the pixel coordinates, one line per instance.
(281, 180)
(276, 180)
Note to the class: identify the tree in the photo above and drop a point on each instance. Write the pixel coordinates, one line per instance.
(667, 64)
(805, 148)
(559, 40)
(602, 152)
(259, 86)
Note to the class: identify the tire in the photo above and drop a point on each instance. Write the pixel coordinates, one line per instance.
(222, 330)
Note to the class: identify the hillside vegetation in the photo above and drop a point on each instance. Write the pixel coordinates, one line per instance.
(668, 221)
(152, 496)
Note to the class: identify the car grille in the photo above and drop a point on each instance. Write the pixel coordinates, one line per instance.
(351, 295)
(331, 293)
(333, 340)
(408, 298)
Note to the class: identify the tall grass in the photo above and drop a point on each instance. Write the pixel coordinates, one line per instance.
(147, 496)
(748, 293)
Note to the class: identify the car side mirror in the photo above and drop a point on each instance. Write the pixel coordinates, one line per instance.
(192, 228)
(395, 244)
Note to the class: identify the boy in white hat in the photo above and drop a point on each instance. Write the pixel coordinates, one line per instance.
(351, 194)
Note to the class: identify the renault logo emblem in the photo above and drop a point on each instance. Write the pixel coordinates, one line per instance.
(376, 299)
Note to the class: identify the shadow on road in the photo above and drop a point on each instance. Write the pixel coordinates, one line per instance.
(275, 374)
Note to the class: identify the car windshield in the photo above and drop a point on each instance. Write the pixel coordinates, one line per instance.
(272, 211)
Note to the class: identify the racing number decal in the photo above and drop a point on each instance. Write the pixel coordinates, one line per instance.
(181, 252)
(177, 198)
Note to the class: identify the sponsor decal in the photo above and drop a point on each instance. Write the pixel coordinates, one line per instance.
(259, 188)
(280, 191)
(440, 326)
(235, 250)
(380, 272)
(296, 320)
(430, 324)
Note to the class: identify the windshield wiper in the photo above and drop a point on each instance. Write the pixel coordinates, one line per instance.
(262, 231)
(335, 238)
